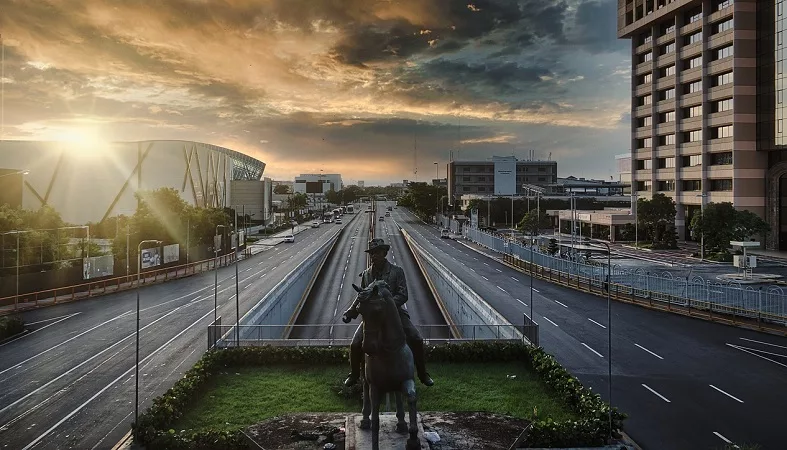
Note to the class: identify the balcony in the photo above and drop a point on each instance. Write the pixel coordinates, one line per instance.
(665, 128)
(665, 151)
(643, 89)
(720, 92)
(721, 39)
(691, 50)
(720, 171)
(721, 118)
(665, 82)
(690, 28)
(643, 110)
(643, 132)
(643, 68)
(687, 148)
(691, 123)
(690, 99)
(718, 145)
(669, 37)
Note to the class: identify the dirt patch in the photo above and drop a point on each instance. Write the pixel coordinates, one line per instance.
(457, 430)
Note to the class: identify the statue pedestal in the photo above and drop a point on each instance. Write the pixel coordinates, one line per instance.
(358, 439)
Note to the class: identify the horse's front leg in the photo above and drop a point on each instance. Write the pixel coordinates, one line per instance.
(401, 425)
(375, 397)
(409, 389)
(366, 423)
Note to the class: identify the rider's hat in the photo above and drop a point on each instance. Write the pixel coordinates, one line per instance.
(377, 244)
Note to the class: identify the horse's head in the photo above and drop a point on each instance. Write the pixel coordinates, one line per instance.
(373, 308)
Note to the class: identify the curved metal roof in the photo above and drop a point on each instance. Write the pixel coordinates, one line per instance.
(245, 167)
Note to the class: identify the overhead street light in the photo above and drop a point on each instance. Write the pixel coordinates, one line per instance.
(136, 364)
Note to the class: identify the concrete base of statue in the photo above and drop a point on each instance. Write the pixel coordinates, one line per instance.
(358, 439)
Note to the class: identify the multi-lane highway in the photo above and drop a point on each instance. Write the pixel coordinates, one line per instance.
(332, 293)
(70, 382)
(685, 383)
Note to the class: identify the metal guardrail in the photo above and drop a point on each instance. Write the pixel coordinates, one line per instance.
(341, 334)
(767, 304)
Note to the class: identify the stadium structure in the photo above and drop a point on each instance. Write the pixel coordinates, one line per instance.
(90, 183)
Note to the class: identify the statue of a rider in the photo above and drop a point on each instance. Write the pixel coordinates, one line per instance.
(382, 269)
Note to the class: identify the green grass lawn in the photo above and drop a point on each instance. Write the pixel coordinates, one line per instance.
(245, 396)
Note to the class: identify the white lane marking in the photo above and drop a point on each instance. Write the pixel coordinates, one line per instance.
(65, 342)
(561, 304)
(643, 348)
(724, 439)
(520, 301)
(40, 329)
(536, 290)
(602, 326)
(727, 394)
(486, 264)
(597, 353)
(513, 278)
(499, 270)
(262, 276)
(502, 289)
(246, 287)
(54, 318)
(475, 258)
(248, 269)
(656, 393)
(487, 279)
(112, 383)
(747, 350)
(764, 343)
(553, 323)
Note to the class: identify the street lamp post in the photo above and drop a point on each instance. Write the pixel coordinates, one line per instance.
(609, 325)
(216, 272)
(634, 209)
(702, 212)
(532, 242)
(237, 288)
(136, 364)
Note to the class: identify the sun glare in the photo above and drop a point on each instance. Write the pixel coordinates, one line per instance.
(82, 141)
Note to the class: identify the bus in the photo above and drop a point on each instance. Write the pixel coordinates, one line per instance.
(349, 209)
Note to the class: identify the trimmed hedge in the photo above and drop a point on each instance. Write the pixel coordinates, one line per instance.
(154, 427)
(10, 326)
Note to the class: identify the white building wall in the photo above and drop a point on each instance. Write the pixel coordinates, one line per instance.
(329, 180)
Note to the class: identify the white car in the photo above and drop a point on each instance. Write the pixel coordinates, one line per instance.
(315, 224)
(338, 220)
(445, 234)
(289, 238)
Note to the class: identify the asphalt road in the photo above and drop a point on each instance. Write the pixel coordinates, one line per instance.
(70, 382)
(685, 383)
(332, 292)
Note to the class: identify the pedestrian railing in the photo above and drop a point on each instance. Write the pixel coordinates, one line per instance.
(341, 334)
(761, 304)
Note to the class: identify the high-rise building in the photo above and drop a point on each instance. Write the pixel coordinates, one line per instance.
(707, 105)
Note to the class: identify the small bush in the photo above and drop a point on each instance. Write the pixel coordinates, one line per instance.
(11, 325)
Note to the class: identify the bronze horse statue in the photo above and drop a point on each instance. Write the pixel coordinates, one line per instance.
(389, 364)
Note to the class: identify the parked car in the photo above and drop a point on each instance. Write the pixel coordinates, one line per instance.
(316, 224)
(445, 234)
(289, 238)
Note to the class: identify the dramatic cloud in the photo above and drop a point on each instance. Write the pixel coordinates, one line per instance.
(305, 84)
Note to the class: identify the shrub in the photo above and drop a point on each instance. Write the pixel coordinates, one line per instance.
(10, 325)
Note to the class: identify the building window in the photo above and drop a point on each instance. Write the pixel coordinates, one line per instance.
(694, 86)
(667, 27)
(718, 5)
(667, 94)
(645, 38)
(644, 100)
(692, 185)
(644, 121)
(722, 105)
(542, 169)
(692, 63)
(721, 159)
(645, 57)
(465, 178)
(644, 143)
(721, 185)
(667, 139)
(667, 71)
(692, 111)
(644, 185)
(722, 79)
(647, 78)
(723, 52)
(481, 189)
(667, 163)
(666, 117)
(691, 161)
(692, 38)
(721, 132)
(643, 164)
(694, 15)
(666, 185)
(542, 179)
(466, 188)
(721, 27)
(669, 48)
(692, 136)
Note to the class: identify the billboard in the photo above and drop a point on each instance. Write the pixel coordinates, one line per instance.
(313, 187)
(505, 176)
(151, 257)
(474, 218)
(171, 253)
(97, 267)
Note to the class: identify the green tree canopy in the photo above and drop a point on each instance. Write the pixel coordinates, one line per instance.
(721, 223)
(657, 218)
(281, 189)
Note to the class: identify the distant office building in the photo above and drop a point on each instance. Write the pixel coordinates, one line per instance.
(361, 183)
(439, 182)
(623, 169)
(317, 183)
(499, 176)
(255, 197)
(690, 140)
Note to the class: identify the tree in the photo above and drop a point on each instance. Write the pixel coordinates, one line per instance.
(422, 199)
(749, 225)
(655, 216)
(532, 222)
(722, 223)
(297, 201)
(333, 197)
(281, 189)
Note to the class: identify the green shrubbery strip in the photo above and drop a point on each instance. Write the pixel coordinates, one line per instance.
(154, 427)
(10, 326)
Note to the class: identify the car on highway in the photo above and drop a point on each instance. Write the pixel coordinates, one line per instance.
(289, 238)
(338, 220)
(382, 219)
(445, 234)
(387, 214)
(316, 224)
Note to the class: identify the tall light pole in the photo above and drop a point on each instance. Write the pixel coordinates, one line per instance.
(702, 212)
(437, 184)
(136, 364)
(237, 288)
(609, 325)
(216, 271)
(634, 209)
(532, 242)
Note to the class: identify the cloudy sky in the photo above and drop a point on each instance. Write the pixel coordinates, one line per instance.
(348, 86)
